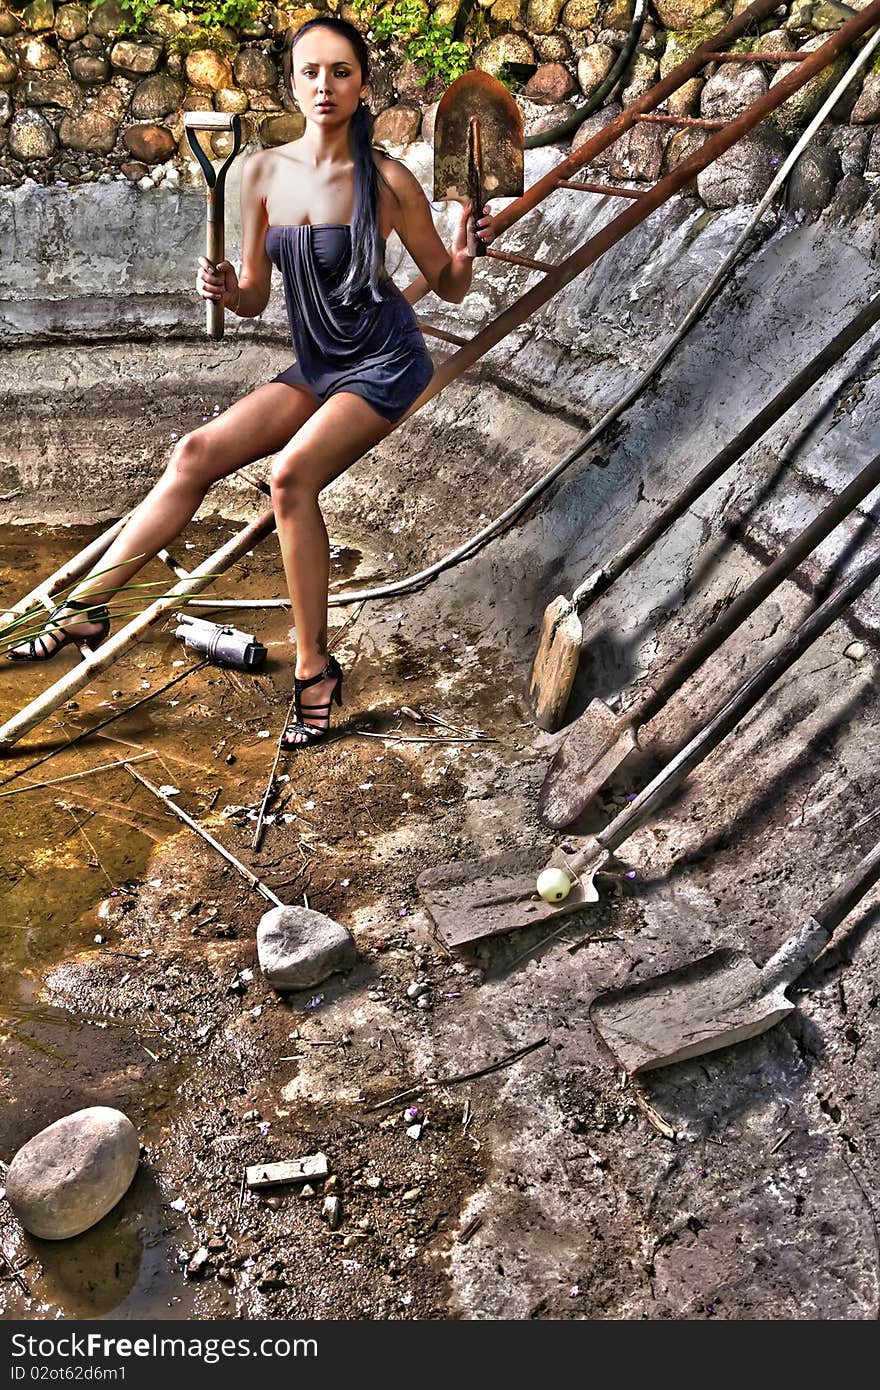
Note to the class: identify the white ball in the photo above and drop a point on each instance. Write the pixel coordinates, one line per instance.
(553, 885)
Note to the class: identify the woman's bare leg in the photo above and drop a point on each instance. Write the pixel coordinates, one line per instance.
(257, 425)
(331, 440)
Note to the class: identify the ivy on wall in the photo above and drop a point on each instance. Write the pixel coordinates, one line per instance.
(424, 40)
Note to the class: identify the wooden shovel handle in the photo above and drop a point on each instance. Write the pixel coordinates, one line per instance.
(215, 250)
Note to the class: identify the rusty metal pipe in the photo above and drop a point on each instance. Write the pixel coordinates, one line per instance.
(631, 217)
(544, 266)
(779, 57)
(601, 188)
(698, 122)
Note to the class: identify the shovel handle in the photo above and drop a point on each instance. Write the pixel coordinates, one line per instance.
(215, 250)
(751, 598)
(794, 955)
(738, 706)
(600, 580)
(850, 892)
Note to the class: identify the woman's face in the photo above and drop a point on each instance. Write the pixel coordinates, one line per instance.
(326, 77)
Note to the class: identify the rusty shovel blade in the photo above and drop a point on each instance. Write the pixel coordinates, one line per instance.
(476, 898)
(478, 94)
(596, 746)
(710, 1003)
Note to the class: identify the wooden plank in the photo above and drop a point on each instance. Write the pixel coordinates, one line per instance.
(264, 1175)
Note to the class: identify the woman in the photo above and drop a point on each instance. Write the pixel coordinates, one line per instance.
(321, 208)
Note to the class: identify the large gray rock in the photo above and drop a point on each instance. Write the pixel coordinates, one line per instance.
(852, 146)
(731, 89)
(31, 136)
(594, 65)
(298, 947)
(867, 108)
(71, 1174)
(813, 179)
(743, 173)
(800, 108)
(592, 126)
(253, 68)
(71, 22)
(156, 97)
(638, 154)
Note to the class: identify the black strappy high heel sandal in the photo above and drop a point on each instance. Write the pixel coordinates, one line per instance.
(38, 648)
(306, 735)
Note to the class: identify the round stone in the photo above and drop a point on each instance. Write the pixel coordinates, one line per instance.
(31, 136)
(744, 172)
(254, 68)
(732, 88)
(298, 947)
(70, 1175)
(39, 14)
(107, 19)
(9, 25)
(231, 100)
(138, 58)
(93, 131)
(156, 96)
(542, 16)
(594, 65)
(71, 22)
(682, 14)
(399, 125)
(206, 69)
(580, 14)
(89, 69)
(506, 48)
(278, 130)
(550, 85)
(38, 55)
(151, 143)
(8, 69)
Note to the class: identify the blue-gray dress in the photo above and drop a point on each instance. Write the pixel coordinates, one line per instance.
(374, 350)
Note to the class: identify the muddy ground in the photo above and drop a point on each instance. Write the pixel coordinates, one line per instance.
(741, 1185)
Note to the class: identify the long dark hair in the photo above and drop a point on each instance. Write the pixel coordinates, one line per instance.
(366, 273)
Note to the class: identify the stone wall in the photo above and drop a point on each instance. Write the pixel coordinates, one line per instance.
(81, 100)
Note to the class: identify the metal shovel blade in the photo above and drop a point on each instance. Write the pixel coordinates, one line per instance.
(475, 898)
(702, 1006)
(501, 138)
(597, 743)
(556, 663)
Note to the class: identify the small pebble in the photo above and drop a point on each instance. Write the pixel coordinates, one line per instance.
(856, 651)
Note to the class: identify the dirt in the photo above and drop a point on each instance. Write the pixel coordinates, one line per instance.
(739, 1185)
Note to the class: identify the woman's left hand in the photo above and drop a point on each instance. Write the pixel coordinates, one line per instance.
(485, 231)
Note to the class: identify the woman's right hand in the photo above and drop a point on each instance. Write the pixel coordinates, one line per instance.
(219, 283)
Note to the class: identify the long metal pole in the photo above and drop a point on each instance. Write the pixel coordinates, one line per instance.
(86, 670)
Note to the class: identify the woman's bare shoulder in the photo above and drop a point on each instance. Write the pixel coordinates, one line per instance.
(401, 180)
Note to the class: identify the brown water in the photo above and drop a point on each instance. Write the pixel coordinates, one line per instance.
(68, 852)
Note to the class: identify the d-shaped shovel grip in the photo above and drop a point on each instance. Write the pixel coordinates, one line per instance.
(215, 240)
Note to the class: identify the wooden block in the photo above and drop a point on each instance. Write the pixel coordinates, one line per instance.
(263, 1175)
(556, 662)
